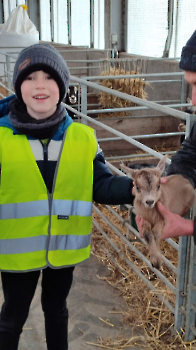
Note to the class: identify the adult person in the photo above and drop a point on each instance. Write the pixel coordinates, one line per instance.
(184, 161)
(51, 171)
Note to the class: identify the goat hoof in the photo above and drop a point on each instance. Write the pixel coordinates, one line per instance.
(156, 265)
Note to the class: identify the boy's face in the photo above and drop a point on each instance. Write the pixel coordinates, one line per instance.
(40, 93)
(190, 77)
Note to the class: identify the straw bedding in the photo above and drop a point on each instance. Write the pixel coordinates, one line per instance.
(145, 312)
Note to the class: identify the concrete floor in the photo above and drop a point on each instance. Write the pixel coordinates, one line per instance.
(89, 299)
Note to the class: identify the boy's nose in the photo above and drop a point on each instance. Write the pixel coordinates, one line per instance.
(40, 83)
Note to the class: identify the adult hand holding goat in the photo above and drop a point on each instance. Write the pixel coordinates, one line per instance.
(177, 194)
(175, 225)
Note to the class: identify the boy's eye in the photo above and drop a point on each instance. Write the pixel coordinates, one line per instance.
(29, 77)
(49, 77)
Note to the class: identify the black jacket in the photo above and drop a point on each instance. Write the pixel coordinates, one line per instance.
(184, 161)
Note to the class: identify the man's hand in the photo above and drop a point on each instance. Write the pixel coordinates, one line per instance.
(175, 225)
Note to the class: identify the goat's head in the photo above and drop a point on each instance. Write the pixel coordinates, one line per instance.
(147, 183)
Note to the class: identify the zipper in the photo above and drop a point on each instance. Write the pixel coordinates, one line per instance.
(50, 195)
(45, 151)
(45, 159)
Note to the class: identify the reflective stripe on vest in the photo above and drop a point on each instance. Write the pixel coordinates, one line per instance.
(34, 244)
(40, 208)
(37, 230)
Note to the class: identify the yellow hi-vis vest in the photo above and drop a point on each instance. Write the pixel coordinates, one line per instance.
(38, 229)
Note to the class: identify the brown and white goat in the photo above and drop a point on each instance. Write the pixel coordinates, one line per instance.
(177, 194)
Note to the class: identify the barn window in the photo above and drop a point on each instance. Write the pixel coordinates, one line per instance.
(184, 25)
(60, 21)
(99, 19)
(147, 27)
(80, 23)
(45, 29)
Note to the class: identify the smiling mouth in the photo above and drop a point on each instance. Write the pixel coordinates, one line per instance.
(40, 97)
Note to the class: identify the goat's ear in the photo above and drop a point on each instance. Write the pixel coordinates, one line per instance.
(130, 172)
(161, 165)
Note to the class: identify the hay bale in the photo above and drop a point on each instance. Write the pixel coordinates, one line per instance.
(130, 86)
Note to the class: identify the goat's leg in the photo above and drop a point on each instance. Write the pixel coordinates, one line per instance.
(152, 244)
(156, 257)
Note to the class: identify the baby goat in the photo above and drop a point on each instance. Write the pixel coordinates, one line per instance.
(177, 194)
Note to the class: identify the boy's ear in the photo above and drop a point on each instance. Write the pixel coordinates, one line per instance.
(161, 165)
(130, 172)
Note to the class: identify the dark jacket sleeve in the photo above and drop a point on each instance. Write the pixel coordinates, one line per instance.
(109, 188)
(184, 161)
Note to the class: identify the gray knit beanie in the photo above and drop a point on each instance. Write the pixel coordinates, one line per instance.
(41, 57)
(188, 56)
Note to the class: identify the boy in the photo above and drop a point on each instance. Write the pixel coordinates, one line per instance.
(46, 195)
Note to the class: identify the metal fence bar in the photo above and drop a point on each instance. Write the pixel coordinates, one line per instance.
(191, 298)
(84, 102)
(8, 76)
(162, 81)
(126, 109)
(150, 136)
(134, 76)
(83, 67)
(129, 156)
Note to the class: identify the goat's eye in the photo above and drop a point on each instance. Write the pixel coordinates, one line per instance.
(158, 187)
(138, 189)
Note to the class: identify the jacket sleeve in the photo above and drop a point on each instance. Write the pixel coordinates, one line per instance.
(109, 188)
(184, 161)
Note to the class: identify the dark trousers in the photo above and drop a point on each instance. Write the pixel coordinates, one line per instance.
(19, 289)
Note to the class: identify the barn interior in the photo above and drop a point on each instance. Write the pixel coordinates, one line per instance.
(123, 57)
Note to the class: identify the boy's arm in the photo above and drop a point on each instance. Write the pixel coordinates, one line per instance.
(109, 188)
